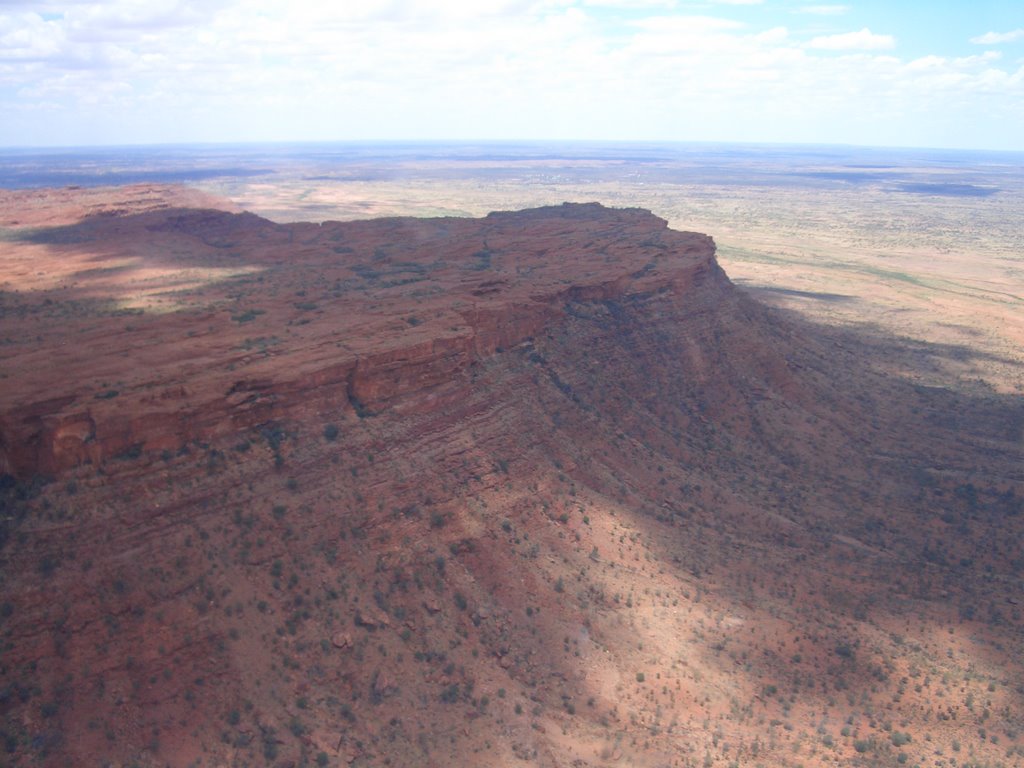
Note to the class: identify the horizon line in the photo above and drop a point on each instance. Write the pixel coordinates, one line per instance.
(256, 143)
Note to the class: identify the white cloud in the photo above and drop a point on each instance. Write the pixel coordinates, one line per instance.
(121, 71)
(26, 37)
(995, 38)
(864, 40)
(686, 24)
(824, 10)
(630, 4)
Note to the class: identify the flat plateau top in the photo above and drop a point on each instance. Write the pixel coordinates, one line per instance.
(132, 288)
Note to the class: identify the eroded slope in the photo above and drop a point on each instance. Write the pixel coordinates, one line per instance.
(538, 487)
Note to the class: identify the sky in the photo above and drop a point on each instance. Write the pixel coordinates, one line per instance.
(934, 73)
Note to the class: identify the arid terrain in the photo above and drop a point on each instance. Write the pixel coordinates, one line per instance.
(545, 487)
(922, 245)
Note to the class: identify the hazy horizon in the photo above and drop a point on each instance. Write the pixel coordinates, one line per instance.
(626, 163)
(481, 142)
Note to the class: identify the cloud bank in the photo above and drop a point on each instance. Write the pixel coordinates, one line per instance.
(864, 40)
(995, 38)
(134, 71)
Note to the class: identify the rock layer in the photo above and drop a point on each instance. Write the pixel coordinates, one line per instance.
(359, 314)
(542, 486)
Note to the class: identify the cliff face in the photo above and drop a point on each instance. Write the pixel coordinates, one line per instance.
(542, 486)
(338, 315)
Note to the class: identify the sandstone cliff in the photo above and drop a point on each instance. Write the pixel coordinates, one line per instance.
(542, 486)
(322, 318)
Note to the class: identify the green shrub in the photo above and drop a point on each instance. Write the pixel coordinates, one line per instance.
(248, 316)
(269, 745)
(450, 694)
(899, 738)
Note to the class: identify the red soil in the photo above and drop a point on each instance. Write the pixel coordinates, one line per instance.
(541, 486)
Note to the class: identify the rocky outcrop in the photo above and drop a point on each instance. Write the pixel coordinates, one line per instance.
(391, 312)
(539, 486)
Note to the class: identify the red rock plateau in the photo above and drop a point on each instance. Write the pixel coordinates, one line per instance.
(541, 488)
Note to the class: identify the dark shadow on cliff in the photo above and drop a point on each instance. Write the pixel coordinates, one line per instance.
(211, 228)
(836, 535)
(882, 530)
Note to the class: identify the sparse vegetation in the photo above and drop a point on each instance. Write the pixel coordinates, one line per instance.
(694, 528)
